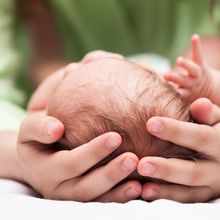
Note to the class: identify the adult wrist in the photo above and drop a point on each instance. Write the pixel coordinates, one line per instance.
(9, 165)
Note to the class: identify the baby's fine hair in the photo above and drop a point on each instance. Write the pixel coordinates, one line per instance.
(127, 117)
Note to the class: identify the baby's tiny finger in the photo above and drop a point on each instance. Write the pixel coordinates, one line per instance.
(179, 79)
(185, 93)
(197, 55)
(192, 68)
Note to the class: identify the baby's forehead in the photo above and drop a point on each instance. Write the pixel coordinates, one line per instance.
(105, 68)
(106, 75)
(106, 72)
(103, 82)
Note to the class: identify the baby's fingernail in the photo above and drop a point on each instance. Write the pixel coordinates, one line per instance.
(128, 165)
(50, 128)
(131, 193)
(155, 126)
(112, 142)
(152, 194)
(148, 169)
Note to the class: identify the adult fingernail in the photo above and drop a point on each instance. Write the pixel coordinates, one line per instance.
(151, 194)
(128, 165)
(112, 142)
(131, 193)
(51, 126)
(148, 169)
(155, 126)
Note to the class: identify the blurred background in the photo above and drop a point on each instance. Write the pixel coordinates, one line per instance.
(37, 37)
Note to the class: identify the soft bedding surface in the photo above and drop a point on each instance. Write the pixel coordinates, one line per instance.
(17, 201)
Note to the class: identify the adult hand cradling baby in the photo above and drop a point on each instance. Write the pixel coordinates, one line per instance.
(58, 174)
(193, 181)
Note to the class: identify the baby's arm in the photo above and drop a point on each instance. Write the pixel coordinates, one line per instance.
(198, 80)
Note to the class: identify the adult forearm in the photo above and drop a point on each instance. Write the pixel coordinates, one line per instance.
(9, 166)
(47, 50)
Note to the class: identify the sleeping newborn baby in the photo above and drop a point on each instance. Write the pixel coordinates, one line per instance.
(116, 95)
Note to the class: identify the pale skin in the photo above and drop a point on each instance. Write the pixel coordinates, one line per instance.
(58, 175)
(196, 79)
(200, 179)
(32, 138)
(40, 70)
(65, 180)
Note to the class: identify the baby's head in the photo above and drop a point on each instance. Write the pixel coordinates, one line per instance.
(116, 95)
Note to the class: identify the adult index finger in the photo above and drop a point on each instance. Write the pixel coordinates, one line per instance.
(202, 138)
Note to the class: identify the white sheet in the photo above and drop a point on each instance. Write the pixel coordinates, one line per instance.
(18, 201)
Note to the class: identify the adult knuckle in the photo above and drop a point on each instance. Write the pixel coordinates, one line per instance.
(203, 137)
(170, 192)
(82, 195)
(163, 171)
(73, 170)
(194, 175)
(164, 174)
(113, 177)
(70, 167)
(203, 195)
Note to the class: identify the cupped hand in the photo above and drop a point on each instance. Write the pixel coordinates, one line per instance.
(190, 181)
(62, 174)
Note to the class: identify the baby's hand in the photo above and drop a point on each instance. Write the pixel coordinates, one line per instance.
(197, 78)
